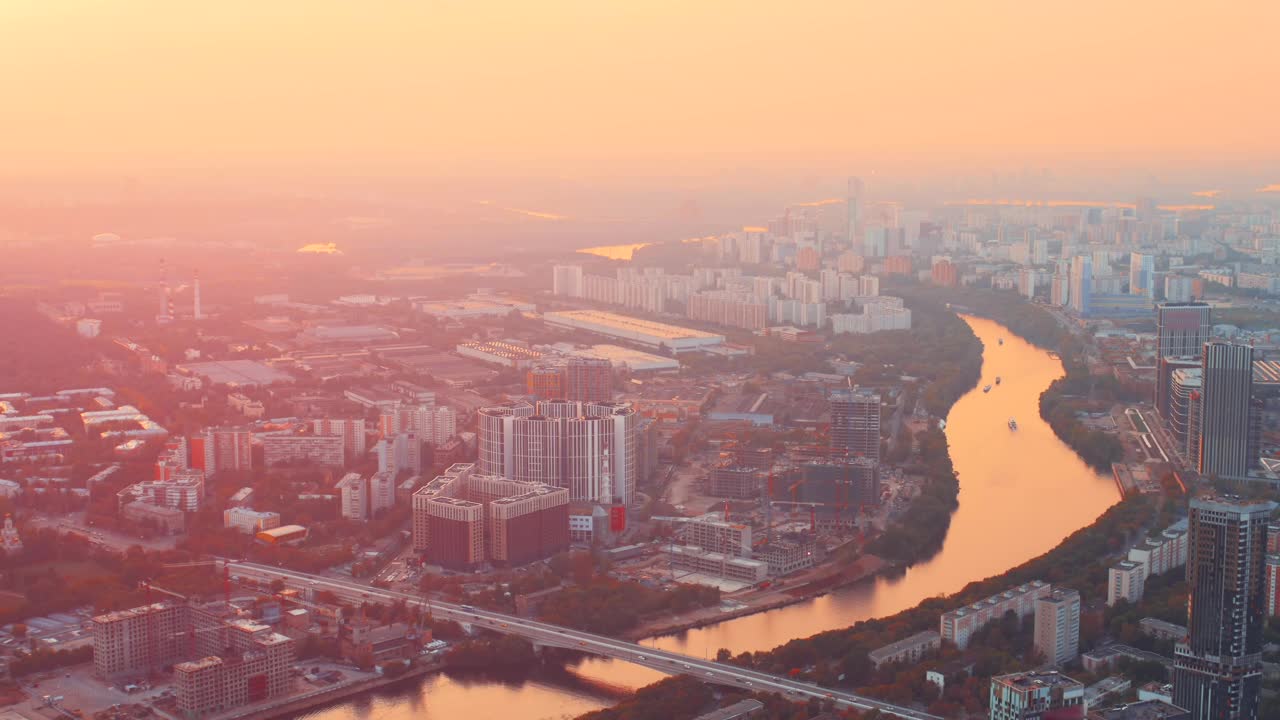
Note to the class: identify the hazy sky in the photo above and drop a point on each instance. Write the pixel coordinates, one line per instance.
(604, 87)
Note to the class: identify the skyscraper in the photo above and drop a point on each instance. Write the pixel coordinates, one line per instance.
(855, 422)
(1182, 329)
(855, 200)
(1226, 395)
(1218, 668)
(1142, 274)
(1081, 283)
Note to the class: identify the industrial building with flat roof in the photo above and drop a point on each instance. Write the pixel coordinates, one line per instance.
(646, 332)
(498, 352)
(236, 373)
(623, 358)
(472, 307)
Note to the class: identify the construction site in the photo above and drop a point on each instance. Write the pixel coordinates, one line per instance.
(184, 658)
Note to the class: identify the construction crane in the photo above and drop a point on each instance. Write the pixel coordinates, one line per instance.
(226, 573)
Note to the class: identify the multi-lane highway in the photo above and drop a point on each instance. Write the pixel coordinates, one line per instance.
(546, 634)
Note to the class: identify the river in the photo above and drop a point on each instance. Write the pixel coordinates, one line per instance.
(1008, 481)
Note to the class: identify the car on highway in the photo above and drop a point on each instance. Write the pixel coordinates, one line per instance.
(642, 657)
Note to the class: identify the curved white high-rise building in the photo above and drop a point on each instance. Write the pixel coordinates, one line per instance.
(589, 448)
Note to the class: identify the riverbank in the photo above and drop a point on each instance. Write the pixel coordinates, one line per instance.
(1078, 389)
(825, 581)
(290, 706)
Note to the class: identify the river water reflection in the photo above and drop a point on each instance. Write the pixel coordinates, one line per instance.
(1021, 492)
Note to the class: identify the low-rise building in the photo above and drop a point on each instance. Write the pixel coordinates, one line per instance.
(1161, 630)
(166, 519)
(1023, 696)
(1141, 710)
(789, 554)
(246, 405)
(737, 569)
(249, 521)
(910, 649)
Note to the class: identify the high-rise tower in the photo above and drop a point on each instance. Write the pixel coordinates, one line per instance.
(855, 422)
(1218, 667)
(196, 312)
(855, 200)
(1182, 329)
(1227, 394)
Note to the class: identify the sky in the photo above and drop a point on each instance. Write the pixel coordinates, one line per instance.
(592, 88)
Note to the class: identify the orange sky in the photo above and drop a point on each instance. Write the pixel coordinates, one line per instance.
(441, 87)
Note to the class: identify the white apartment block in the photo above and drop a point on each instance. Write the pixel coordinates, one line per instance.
(960, 624)
(1125, 581)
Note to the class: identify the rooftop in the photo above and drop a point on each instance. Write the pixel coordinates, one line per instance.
(238, 373)
(921, 638)
(631, 324)
(1142, 710)
(1025, 680)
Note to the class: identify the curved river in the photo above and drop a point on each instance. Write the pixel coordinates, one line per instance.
(1002, 472)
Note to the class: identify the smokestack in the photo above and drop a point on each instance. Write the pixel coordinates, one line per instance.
(196, 314)
(166, 313)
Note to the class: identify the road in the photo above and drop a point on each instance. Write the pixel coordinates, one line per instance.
(546, 634)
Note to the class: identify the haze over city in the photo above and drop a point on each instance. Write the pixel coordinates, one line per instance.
(639, 361)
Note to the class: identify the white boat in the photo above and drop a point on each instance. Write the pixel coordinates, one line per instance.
(942, 424)
(1013, 424)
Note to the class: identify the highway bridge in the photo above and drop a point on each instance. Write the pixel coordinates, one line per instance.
(545, 634)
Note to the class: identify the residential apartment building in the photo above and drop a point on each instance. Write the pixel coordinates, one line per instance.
(351, 430)
(908, 650)
(322, 450)
(959, 625)
(1057, 629)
